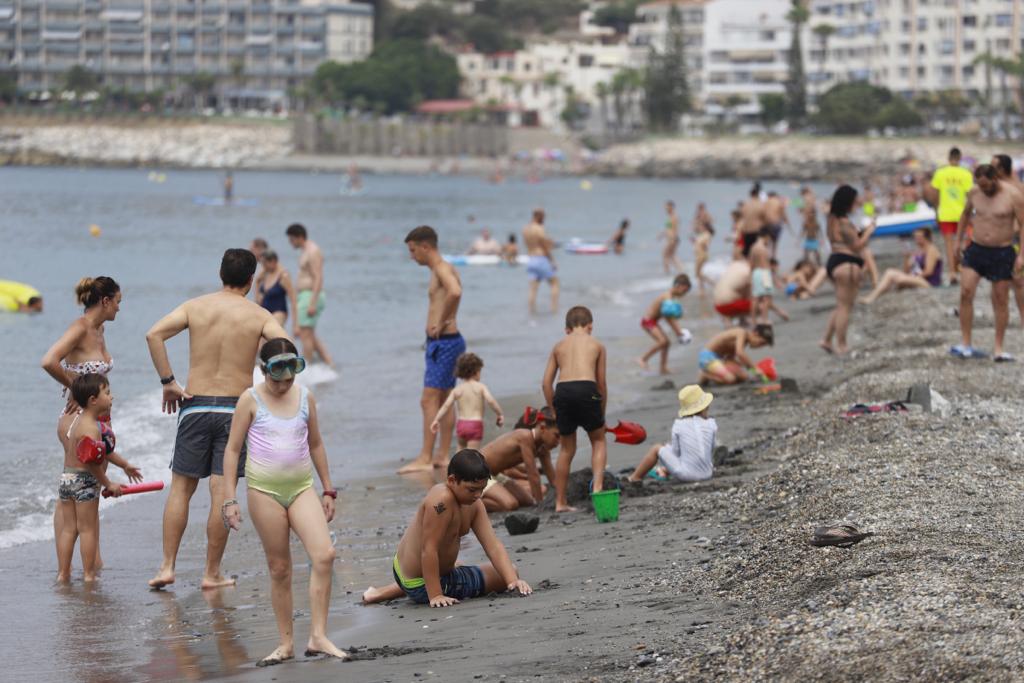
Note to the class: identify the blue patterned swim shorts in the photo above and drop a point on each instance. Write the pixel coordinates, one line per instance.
(441, 356)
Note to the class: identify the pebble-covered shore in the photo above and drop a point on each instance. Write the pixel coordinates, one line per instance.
(935, 594)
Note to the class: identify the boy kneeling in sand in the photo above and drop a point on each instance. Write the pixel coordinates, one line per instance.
(688, 456)
(424, 566)
(724, 360)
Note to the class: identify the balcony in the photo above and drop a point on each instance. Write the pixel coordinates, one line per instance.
(73, 5)
(212, 8)
(62, 48)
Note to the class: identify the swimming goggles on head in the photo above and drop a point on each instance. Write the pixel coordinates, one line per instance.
(284, 366)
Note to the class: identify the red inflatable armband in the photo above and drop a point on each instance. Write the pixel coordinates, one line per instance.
(90, 451)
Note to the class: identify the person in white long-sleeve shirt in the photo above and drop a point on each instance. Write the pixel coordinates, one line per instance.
(687, 457)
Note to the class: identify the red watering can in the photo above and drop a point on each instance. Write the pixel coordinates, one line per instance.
(767, 368)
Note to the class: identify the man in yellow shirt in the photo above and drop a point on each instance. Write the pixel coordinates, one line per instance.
(953, 184)
(16, 297)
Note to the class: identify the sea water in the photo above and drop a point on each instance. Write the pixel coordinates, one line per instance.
(163, 248)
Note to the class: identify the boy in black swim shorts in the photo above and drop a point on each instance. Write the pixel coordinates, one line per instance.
(579, 400)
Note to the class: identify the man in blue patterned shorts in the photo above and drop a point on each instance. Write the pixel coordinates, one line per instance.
(444, 345)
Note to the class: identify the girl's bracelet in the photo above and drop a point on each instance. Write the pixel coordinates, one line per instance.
(226, 503)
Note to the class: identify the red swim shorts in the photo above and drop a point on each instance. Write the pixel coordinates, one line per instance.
(470, 430)
(648, 323)
(734, 309)
(948, 228)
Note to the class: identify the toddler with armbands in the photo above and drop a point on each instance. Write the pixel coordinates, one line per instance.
(88, 444)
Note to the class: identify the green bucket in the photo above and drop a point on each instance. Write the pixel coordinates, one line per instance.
(606, 505)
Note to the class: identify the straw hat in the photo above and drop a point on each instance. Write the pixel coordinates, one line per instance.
(692, 400)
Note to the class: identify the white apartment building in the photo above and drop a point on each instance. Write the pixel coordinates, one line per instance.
(911, 46)
(531, 84)
(651, 29)
(158, 44)
(746, 46)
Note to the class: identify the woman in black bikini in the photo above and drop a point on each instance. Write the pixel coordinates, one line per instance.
(845, 266)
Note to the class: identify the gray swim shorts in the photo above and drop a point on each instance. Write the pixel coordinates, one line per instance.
(204, 423)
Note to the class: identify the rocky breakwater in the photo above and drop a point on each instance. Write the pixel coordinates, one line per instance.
(774, 157)
(183, 145)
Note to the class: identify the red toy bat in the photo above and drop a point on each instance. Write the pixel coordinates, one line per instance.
(144, 487)
(629, 433)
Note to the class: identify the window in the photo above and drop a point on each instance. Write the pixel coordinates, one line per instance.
(586, 61)
(1004, 20)
(970, 21)
(969, 46)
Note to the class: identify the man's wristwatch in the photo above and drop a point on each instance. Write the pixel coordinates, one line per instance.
(166, 380)
(333, 493)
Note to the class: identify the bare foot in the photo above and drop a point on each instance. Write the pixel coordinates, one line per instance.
(281, 654)
(89, 578)
(826, 347)
(643, 364)
(842, 350)
(319, 645)
(417, 465)
(372, 595)
(165, 577)
(864, 300)
(566, 508)
(665, 371)
(63, 578)
(441, 463)
(217, 581)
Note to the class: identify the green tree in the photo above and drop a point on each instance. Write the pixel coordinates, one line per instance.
(201, 84)
(773, 108)
(398, 74)
(898, 114)
(849, 108)
(796, 79)
(1007, 68)
(823, 32)
(617, 15)
(8, 86)
(666, 88)
(575, 111)
(953, 104)
(79, 80)
(487, 35)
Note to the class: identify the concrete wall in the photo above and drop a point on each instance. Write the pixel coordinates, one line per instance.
(318, 135)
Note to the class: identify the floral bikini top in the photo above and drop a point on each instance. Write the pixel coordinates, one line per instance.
(100, 367)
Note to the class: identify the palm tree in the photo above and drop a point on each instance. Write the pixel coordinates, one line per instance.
(1005, 67)
(201, 84)
(602, 90)
(796, 81)
(823, 32)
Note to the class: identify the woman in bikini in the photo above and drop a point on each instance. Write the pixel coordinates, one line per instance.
(274, 287)
(81, 350)
(703, 231)
(922, 270)
(845, 265)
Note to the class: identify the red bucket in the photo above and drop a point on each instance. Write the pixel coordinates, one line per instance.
(767, 367)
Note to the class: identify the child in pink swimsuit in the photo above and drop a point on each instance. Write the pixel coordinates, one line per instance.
(471, 396)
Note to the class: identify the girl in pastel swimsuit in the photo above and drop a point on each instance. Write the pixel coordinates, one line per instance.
(277, 421)
(278, 462)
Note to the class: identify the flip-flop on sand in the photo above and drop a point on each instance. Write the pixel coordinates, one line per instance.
(838, 535)
(1004, 358)
(966, 352)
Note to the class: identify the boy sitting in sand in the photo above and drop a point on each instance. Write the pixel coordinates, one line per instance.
(579, 400)
(687, 457)
(425, 564)
(533, 439)
(470, 397)
(87, 441)
(724, 360)
(666, 306)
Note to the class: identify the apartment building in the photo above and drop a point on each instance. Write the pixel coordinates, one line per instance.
(650, 31)
(911, 46)
(256, 49)
(532, 84)
(746, 48)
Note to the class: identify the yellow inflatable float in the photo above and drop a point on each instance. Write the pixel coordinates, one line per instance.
(17, 296)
